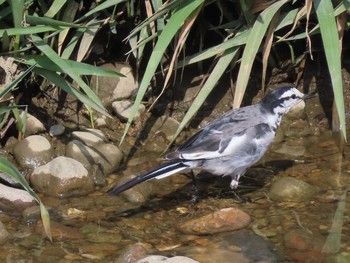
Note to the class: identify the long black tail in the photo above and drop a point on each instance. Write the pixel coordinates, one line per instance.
(162, 171)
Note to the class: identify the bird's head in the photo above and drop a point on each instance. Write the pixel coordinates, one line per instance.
(281, 100)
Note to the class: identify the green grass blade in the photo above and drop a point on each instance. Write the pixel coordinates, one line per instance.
(14, 83)
(63, 84)
(253, 44)
(29, 30)
(45, 21)
(55, 8)
(174, 24)
(17, 7)
(333, 241)
(88, 37)
(69, 49)
(101, 7)
(70, 71)
(81, 68)
(209, 85)
(5, 109)
(10, 169)
(329, 35)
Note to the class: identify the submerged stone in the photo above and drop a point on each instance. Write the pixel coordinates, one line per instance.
(163, 259)
(223, 220)
(290, 189)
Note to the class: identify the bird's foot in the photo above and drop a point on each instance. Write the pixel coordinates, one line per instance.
(195, 195)
(242, 199)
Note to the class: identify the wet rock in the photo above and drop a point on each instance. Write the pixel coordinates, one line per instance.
(33, 151)
(107, 155)
(224, 220)
(56, 130)
(103, 237)
(298, 128)
(301, 245)
(165, 126)
(33, 214)
(111, 89)
(131, 253)
(89, 137)
(123, 109)
(60, 231)
(97, 249)
(62, 177)
(162, 259)
(216, 254)
(292, 150)
(138, 194)
(98, 175)
(297, 111)
(33, 125)
(13, 201)
(100, 122)
(10, 181)
(254, 247)
(4, 234)
(290, 189)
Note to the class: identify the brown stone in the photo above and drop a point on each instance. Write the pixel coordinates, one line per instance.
(227, 219)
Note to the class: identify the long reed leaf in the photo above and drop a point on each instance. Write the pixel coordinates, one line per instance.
(175, 22)
(253, 44)
(330, 39)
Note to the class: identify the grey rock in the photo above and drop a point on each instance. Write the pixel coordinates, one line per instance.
(291, 189)
(254, 247)
(62, 177)
(111, 89)
(131, 253)
(107, 155)
(10, 180)
(123, 109)
(166, 126)
(13, 201)
(89, 137)
(33, 125)
(100, 122)
(33, 151)
(138, 194)
(56, 130)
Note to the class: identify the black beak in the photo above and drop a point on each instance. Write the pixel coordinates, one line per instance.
(309, 96)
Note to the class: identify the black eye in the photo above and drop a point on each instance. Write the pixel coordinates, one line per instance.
(293, 96)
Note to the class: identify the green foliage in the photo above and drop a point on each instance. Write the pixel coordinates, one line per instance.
(8, 168)
(31, 26)
(257, 30)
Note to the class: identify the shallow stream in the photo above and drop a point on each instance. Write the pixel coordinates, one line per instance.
(103, 228)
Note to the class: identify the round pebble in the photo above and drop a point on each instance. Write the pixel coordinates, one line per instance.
(56, 130)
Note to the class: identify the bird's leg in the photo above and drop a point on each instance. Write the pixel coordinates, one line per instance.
(195, 195)
(234, 185)
(234, 182)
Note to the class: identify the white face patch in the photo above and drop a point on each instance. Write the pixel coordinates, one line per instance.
(289, 99)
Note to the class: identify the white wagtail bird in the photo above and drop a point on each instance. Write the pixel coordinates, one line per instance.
(230, 144)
